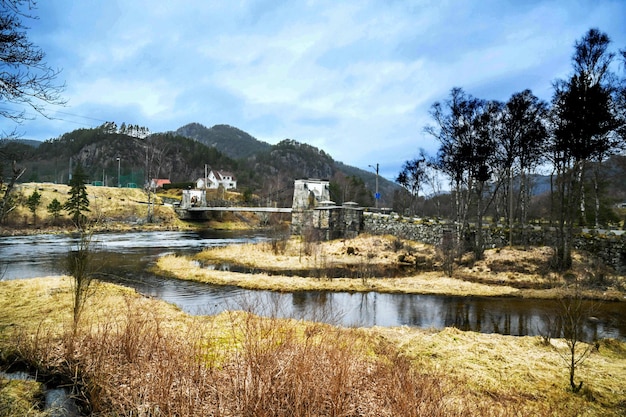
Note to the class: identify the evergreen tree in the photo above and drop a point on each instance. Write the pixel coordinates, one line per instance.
(78, 203)
(33, 201)
(54, 208)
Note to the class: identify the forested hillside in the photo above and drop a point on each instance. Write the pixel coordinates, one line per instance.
(113, 158)
(229, 140)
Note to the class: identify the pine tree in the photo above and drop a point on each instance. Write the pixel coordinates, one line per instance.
(54, 208)
(33, 201)
(78, 203)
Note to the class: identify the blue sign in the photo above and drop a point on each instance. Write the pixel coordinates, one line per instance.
(377, 195)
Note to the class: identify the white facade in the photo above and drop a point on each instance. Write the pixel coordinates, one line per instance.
(310, 193)
(217, 178)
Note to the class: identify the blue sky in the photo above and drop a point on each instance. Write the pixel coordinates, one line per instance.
(355, 78)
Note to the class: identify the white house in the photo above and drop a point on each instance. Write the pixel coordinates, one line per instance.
(216, 178)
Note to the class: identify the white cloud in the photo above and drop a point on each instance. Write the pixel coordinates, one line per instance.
(153, 99)
(355, 78)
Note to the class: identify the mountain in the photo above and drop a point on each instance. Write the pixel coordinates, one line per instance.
(115, 158)
(267, 171)
(109, 156)
(230, 141)
(271, 168)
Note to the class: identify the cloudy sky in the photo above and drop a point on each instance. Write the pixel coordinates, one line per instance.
(355, 78)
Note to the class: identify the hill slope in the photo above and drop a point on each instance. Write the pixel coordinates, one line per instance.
(115, 158)
(230, 141)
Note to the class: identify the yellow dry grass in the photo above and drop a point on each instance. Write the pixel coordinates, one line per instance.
(109, 207)
(373, 250)
(20, 398)
(498, 366)
(427, 283)
(491, 367)
(503, 272)
(47, 303)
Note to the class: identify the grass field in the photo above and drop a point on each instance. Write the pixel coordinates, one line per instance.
(138, 356)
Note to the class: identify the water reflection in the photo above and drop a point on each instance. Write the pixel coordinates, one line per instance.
(125, 258)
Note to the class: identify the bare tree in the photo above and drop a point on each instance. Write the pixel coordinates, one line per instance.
(156, 148)
(584, 127)
(6, 205)
(573, 314)
(454, 129)
(521, 148)
(80, 266)
(465, 127)
(412, 177)
(26, 80)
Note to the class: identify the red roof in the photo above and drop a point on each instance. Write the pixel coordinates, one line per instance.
(159, 182)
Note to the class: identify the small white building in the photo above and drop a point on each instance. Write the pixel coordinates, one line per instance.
(216, 178)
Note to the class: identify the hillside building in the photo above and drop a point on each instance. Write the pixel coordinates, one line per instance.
(215, 178)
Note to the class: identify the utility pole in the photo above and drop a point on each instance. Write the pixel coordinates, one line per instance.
(377, 195)
(119, 179)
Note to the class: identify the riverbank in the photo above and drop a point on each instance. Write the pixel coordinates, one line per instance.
(136, 355)
(111, 209)
(390, 265)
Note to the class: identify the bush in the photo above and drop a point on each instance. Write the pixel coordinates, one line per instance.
(279, 238)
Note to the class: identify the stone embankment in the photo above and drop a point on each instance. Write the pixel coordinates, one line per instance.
(608, 246)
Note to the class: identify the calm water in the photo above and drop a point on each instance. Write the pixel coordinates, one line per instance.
(124, 257)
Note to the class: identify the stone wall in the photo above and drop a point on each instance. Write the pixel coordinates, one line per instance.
(310, 193)
(332, 222)
(608, 247)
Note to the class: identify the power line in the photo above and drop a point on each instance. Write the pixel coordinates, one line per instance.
(30, 114)
(78, 115)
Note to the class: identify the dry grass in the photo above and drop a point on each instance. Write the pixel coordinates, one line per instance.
(138, 356)
(497, 366)
(375, 250)
(20, 398)
(503, 272)
(426, 283)
(110, 208)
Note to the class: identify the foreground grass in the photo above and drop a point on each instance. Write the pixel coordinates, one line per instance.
(138, 356)
(20, 398)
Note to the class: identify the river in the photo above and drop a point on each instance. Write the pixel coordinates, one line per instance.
(125, 257)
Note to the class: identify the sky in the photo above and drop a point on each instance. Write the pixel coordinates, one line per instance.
(354, 78)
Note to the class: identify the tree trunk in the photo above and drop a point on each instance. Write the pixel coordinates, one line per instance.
(596, 194)
(524, 188)
(581, 194)
(15, 175)
(479, 245)
(510, 174)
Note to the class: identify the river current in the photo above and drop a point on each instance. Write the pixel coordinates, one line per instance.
(127, 256)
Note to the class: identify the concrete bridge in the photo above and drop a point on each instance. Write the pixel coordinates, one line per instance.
(242, 209)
